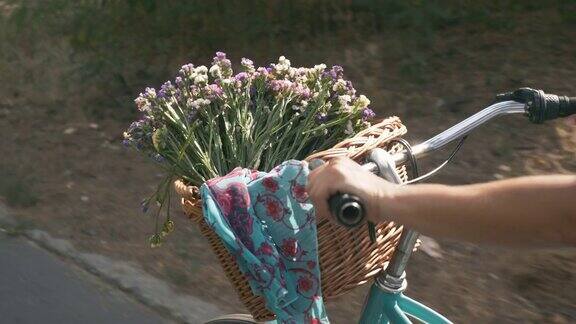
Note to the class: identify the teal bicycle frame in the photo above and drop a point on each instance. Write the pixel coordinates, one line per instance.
(386, 302)
(388, 307)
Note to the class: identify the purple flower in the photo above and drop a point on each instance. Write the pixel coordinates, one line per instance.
(167, 89)
(167, 86)
(220, 56)
(367, 114)
(247, 63)
(321, 118)
(301, 91)
(261, 72)
(221, 66)
(350, 88)
(337, 72)
(150, 93)
(214, 91)
(179, 82)
(186, 70)
(178, 94)
(139, 134)
(280, 85)
(221, 60)
(241, 77)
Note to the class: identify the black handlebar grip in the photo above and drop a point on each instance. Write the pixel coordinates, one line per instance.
(568, 107)
(549, 106)
(348, 209)
(541, 106)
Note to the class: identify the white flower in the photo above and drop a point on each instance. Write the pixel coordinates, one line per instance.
(191, 103)
(315, 72)
(201, 79)
(215, 71)
(344, 100)
(247, 64)
(202, 69)
(319, 68)
(142, 103)
(283, 65)
(284, 61)
(349, 129)
(227, 81)
(198, 103)
(301, 71)
(150, 93)
(339, 86)
(362, 101)
(301, 79)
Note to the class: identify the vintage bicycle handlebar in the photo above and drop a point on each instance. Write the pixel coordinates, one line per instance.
(537, 105)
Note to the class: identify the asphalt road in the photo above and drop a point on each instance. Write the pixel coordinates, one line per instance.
(39, 287)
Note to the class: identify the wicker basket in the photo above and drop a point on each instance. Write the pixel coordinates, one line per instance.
(347, 256)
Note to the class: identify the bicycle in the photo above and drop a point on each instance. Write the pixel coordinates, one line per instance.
(386, 302)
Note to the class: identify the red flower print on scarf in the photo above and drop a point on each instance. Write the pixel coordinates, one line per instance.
(290, 247)
(224, 200)
(266, 249)
(311, 264)
(274, 209)
(304, 284)
(299, 192)
(270, 184)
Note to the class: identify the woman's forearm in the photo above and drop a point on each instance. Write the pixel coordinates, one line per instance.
(538, 210)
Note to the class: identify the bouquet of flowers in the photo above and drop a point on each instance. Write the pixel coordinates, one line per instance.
(209, 121)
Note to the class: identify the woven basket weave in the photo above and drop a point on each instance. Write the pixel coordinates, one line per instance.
(347, 256)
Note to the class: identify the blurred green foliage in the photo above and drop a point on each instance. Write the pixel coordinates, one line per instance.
(110, 49)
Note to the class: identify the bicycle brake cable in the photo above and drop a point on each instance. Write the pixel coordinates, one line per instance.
(411, 156)
(433, 172)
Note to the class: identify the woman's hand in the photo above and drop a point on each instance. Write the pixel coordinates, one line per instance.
(343, 175)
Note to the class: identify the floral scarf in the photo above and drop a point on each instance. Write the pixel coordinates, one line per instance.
(267, 222)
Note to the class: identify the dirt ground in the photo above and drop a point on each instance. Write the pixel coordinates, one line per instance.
(68, 174)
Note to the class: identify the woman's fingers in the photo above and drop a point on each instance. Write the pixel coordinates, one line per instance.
(327, 180)
(318, 190)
